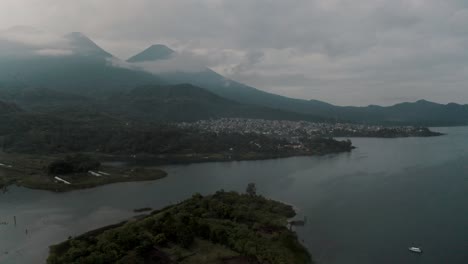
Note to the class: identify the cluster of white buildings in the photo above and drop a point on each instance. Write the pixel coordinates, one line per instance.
(288, 129)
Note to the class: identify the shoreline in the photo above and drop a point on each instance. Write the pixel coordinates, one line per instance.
(28, 170)
(219, 229)
(167, 160)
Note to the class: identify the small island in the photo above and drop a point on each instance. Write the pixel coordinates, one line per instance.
(226, 227)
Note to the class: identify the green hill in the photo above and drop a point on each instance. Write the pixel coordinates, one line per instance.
(226, 227)
(185, 102)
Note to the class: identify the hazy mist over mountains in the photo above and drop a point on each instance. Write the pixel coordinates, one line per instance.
(374, 52)
(74, 64)
(353, 115)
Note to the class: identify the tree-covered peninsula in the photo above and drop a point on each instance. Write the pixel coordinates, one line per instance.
(226, 227)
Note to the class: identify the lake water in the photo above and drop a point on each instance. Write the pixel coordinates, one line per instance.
(367, 206)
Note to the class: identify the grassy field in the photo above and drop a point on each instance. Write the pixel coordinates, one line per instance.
(31, 171)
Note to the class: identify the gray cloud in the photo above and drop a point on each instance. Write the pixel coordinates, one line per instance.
(183, 62)
(247, 63)
(342, 51)
(54, 52)
(22, 40)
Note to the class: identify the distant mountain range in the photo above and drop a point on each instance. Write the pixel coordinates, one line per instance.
(152, 103)
(87, 70)
(186, 102)
(418, 113)
(91, 78)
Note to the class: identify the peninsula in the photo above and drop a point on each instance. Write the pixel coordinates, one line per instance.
(77, 157)
(71, 172)
(226, 227)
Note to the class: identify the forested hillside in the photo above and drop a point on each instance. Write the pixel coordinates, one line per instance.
(219, 228)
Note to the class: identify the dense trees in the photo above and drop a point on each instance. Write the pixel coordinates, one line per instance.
(107, 135)
(73, 164)
(249, 225)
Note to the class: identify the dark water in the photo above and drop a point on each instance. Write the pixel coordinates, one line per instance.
(367, 206)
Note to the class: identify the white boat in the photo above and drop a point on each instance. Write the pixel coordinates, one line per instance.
(415, 249)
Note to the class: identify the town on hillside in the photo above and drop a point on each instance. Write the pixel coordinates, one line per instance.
(293, 130)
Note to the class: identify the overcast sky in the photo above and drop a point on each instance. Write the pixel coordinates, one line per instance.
(347, 52)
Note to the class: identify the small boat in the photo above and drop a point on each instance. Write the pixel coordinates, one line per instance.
(415, 250)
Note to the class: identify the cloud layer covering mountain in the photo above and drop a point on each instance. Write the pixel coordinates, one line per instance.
(340, 51)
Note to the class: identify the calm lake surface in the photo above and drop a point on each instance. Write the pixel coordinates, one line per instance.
(367, 206)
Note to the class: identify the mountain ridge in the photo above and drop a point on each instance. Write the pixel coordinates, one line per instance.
(186, 102)
(94, 72)
(153, 53)
(390, 115)
(88, 69)
(83, 45)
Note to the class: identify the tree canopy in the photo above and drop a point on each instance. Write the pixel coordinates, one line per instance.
(213, 228)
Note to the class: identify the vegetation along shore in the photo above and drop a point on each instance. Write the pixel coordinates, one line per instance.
(226, 227)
